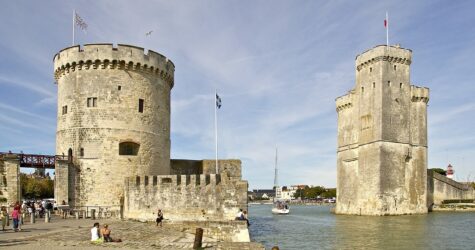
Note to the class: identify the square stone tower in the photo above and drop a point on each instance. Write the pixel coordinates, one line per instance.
(382, 138)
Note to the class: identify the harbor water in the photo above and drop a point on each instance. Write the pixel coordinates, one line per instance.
(315, 227)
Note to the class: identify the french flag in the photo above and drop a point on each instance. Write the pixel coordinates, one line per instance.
(386, 21)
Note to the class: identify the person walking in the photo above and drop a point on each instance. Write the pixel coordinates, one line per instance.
(16, 219)
(159, 217)
(3, 217)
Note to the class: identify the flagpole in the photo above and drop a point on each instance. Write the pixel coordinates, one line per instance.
(74, 16)
(387, 30)
(216, 126)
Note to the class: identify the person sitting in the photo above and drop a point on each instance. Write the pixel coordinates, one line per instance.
(106, 234)
(244, 215)
(239, 215)
(95, 234)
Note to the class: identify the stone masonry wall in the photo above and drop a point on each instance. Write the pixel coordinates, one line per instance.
(10, 179)
(382, 138)
(442, 188)
(3, 181)
(99, 91)
(184, 197)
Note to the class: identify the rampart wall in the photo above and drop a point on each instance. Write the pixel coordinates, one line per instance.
(442, 188)
(184, 197)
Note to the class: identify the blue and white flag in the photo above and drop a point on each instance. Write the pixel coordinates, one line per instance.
(218, 101)
(80, 22)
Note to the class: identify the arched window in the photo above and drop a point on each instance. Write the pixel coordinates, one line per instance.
(70, 154)
(129, 148)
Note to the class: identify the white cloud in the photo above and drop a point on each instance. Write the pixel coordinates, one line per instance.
(278, 69)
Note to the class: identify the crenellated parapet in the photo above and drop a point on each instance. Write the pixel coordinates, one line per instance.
(419, 94)
(392, 54)
(193, 197)
(344, 102)
(106, 56)
(201, 180)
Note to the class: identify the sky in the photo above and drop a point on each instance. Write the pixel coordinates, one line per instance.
(277, 65)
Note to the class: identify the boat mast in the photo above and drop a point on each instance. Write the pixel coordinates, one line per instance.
(276, 171)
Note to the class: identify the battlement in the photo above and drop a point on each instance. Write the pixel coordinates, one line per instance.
(185, 197)
(419, 94)
(201, 180)
(344, 102)
(393, 54)
(106, 56)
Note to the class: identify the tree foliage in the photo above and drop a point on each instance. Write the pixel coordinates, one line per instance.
(439, 171)
(315, 192)
(36, 187)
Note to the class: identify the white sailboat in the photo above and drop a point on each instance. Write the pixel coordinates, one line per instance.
(280, 207)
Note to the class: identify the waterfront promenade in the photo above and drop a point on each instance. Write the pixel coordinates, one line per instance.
(75, 234)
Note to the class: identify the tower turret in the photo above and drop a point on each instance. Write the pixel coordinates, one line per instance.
(113, 118)
(382, 137)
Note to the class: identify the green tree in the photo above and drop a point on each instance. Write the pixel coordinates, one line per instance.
(298, 193)
(36, 187)
(329, 193)
(439, 171)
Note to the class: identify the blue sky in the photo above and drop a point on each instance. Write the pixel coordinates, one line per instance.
(278, 66)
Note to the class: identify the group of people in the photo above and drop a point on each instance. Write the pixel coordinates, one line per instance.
(242, 215)
(99, 235)
(39, 208)
(15, 215)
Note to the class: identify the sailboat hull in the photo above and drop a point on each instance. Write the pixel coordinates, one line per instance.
(280, 211)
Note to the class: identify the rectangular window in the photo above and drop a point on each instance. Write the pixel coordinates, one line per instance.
(65, 109)
(92, 102)
(141, 105)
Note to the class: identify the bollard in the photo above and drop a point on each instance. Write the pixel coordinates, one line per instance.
(32, 218)
(47, 218)
(198, 238)
(93, 214)
(77, 215)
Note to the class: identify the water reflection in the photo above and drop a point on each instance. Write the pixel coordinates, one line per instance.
(314, 227)
(388, 232)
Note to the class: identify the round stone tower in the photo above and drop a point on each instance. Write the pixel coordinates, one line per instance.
(113, 119)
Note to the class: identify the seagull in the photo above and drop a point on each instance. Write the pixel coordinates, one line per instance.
(148, 33)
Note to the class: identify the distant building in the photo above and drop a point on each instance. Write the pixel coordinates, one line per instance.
(288, 193)
(262, 194)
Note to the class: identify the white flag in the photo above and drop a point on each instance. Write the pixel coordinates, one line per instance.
(80, 22)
